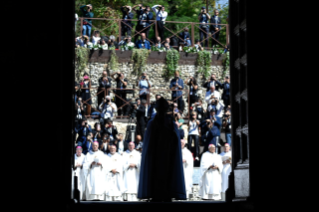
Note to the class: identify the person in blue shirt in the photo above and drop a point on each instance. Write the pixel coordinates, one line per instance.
(186, 37)
(203, 18)
(177, 85)
(87, 23)
(144, 16)
(144, 85)
(213, 123)
(83, 130)
(143, 43)
(215, 29)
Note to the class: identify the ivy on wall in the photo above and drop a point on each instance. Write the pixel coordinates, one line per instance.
(139, 57)
(172, 58)
(113, 63)
(203, 62)
(82, 57)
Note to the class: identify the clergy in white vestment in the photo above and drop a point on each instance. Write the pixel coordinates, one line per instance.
(132, 161)
(115, 184)
(95, 163)
(211, 167)
(188, 164)
(226, 158)
(78, 170)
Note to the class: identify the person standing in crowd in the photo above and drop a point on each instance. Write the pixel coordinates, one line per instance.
(128, 41)
(104, 147)
(193, 134)
(161, 175)
(96, 37)
(126, 24)
(179, 121)
(115, 184)
(112, 42)
(152, 109)
(121, 146)
(87, 143)
(177, 85)
(215, 28)
(105, 82)
(203, 18)
(226, 158)
(226, 92)
(110, 129)
(87, 23)
(143, 43)
(132, 161)
(210, 168)
(87, 43)
(78, 169)
(138, 142)
(144, 85)
(144, 16)
(121, 82)
(200, 110)
(94, 164)
(97, 133)
(212, 81)
(186, 36)
(188, 164)
(161, 16)
(141, 117)
(86, 94)
(213, 124)
(227, 125)
(193, 88)
(107, 108)
(102, 44)
(83, 131)
(158, 43)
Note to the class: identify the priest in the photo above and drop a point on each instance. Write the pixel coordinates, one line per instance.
(95, 164)
(114, 179)
(161, 175)
(132, 160)
(78, 170)
(188, 163)
(211, 168)
(226, 158)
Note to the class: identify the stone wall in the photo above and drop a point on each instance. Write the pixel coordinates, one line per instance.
(154, 72)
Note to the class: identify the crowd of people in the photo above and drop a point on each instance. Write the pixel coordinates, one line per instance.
(145, 15)
(119, 156)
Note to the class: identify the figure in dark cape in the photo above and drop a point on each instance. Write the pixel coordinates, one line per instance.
(161, 175)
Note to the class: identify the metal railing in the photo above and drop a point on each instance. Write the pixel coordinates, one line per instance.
(154, 22)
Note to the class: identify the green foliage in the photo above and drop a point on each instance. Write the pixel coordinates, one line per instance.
(139, 57)
(82, 57)
(226, 63)
(172, 58)
(113, 63)
(203, 62)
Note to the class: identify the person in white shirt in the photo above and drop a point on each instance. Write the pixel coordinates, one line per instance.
(211, 168)
(95, 37)
(212, 93)
(188, 164)
(161, 16)
(193, 134)
(102, 44)
(144, 85)
(78, 170)
(132, 160)
(108, 108)
(213, 101)
(226, 158)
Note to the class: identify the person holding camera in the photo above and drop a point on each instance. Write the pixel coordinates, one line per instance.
(215, 28)
(213, 124)
(143, 43)
(176, 86)
(112, 42)
(186, 37)
(193, 88)
(97, 132)
(144, 85)
(126, 25)
(199, 109)
(198, 46)
(87, 143)
(121, 82)
(102, 44)
(107, 108)
(96, 37)
(86, 94)
(105, 82)
(144, 17)
(227, 126)
(110, 129)
(203, 18)
(161, 16)
(128, 41)
(213, 101)
(212, 81)
(87, 23)
(104, 146)
(83, 130)
(87, 43)
(226, 92)
(179, 122)
(193, 134)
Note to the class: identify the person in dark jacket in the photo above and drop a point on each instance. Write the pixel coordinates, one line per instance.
(213, 123)
(203, 18)
(212, 81)
(141, 118)
(187, 41)
(226, 92)
(144, 16)
(126, 25)
(87, 23)
(215, 28)
(104, 83)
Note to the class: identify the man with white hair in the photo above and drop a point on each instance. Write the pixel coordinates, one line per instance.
(213, 101)
(78, 170)
(108, 108)
(115, 185)
(95, 164)
(132, 160)
(226, 158)
(211, 168)
(188, 164)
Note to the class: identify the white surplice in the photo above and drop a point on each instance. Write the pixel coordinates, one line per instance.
(115, 184)
(210, 182)
(79, 173)
(188, 170)
(131, 175)
(225, 173)
(95, 180)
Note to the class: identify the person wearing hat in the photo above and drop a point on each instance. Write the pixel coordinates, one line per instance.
(215, 28)
(211, 167)
(87, 23)
(95, 166)
(226, 158)
(203, 18)
(126, 25)
(188, 165)
(78, 170)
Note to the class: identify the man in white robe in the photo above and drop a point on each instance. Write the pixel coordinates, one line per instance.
(78, 170)
(95, 163)
(188, 164)
(132, 161)
(211, 167)
(115, 184)
(226, 158)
